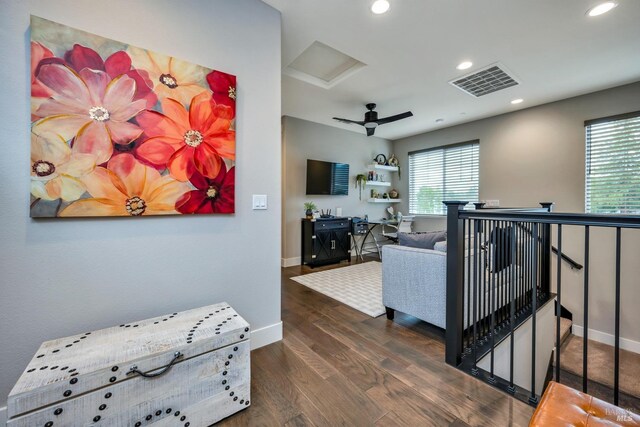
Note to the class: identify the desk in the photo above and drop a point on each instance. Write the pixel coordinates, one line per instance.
(372, 224)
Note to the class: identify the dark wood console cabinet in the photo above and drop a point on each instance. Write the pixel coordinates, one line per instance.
(326, 241)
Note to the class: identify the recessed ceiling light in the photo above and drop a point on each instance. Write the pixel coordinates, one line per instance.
(464, 65)
(602, 8)
(380, 6)
(439, 120)
(517, 101)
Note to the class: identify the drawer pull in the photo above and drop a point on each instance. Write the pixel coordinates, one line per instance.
(134, 369)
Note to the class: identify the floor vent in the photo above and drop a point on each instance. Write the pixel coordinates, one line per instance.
(485, 81)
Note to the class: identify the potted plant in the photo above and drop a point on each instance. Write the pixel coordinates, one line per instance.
(309, 208)
(393, 161)
(361, 181)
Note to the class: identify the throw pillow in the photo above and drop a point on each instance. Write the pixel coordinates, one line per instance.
(500, 247)
(422, 240)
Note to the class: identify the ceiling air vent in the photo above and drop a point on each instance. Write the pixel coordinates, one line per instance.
(485, 81)
(322, 66)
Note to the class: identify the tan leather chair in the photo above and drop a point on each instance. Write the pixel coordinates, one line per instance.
(562, 406)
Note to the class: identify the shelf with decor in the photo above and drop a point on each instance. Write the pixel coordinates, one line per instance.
(385, 200)
(383, 167)
(379, 183)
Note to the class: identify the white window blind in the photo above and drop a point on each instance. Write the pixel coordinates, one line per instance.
(444, 173)
(613, 165)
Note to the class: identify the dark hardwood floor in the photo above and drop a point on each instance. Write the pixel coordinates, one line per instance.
(337, 366)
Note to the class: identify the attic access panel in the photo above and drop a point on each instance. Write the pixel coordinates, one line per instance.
(322, 65)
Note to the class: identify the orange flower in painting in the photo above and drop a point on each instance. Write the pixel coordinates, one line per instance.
(126, 187)
(198, 138)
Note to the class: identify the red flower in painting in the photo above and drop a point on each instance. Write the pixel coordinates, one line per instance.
(115, 65)
(223, 86)
(196, 139)
(40, 54)
(156, 160)
(211, 195)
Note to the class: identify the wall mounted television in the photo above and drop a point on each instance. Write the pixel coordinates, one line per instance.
(327, 178)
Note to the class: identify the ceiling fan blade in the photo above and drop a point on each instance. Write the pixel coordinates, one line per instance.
(394, 118)
(349, 121)
(370, 131)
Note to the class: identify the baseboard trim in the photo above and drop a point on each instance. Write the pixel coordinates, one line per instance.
(605, 338)
(3, 416)
(290, 262)
(264, 336)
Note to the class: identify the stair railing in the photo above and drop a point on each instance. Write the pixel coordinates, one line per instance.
(499, 276)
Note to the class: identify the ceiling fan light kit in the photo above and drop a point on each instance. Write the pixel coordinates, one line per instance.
(371, 120)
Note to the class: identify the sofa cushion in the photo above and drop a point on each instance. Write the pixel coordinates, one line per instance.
(423, 240)
(441, 246)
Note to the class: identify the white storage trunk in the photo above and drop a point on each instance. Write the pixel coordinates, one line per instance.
(105, 378)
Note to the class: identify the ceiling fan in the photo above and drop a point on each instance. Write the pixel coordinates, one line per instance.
(371, 120)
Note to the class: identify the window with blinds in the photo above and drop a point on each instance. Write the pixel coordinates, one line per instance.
(444, 173)
(613, 165)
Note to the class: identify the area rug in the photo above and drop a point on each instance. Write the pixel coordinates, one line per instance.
(600, 366)
(358, 286)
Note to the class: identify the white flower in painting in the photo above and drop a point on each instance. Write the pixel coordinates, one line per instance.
(56, 170)
(172, 77)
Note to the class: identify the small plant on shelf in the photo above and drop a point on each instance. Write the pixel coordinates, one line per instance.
(393, 161)
(361, 181)
(309, 207)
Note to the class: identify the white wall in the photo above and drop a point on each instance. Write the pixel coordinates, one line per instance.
(60, 277)
(545, 343)
(304, 140)
(538, 154)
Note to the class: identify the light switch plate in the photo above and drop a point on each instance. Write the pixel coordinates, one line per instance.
(492, 203)
(259, 201)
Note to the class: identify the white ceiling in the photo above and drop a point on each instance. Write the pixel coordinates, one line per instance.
(411, 53)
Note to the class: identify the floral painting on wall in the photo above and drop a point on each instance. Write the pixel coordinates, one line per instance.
(117, 130)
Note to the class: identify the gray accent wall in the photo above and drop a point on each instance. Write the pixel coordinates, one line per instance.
(304, 140)
(62, 277)
(538, 154)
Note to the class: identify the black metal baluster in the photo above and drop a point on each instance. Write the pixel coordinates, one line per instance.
(485, 328)
(586, 310)
(467, 325)
(505, 274)
(512, 308)
(492, 295)
(533, 399)
(498, 272)
(474, 369)
(500, 287)
(521, 267)
(559, 301)
(616, 369)
(527, 263)
(466, 277)
(527, 248)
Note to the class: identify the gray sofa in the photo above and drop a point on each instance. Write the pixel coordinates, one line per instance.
(414, 282)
